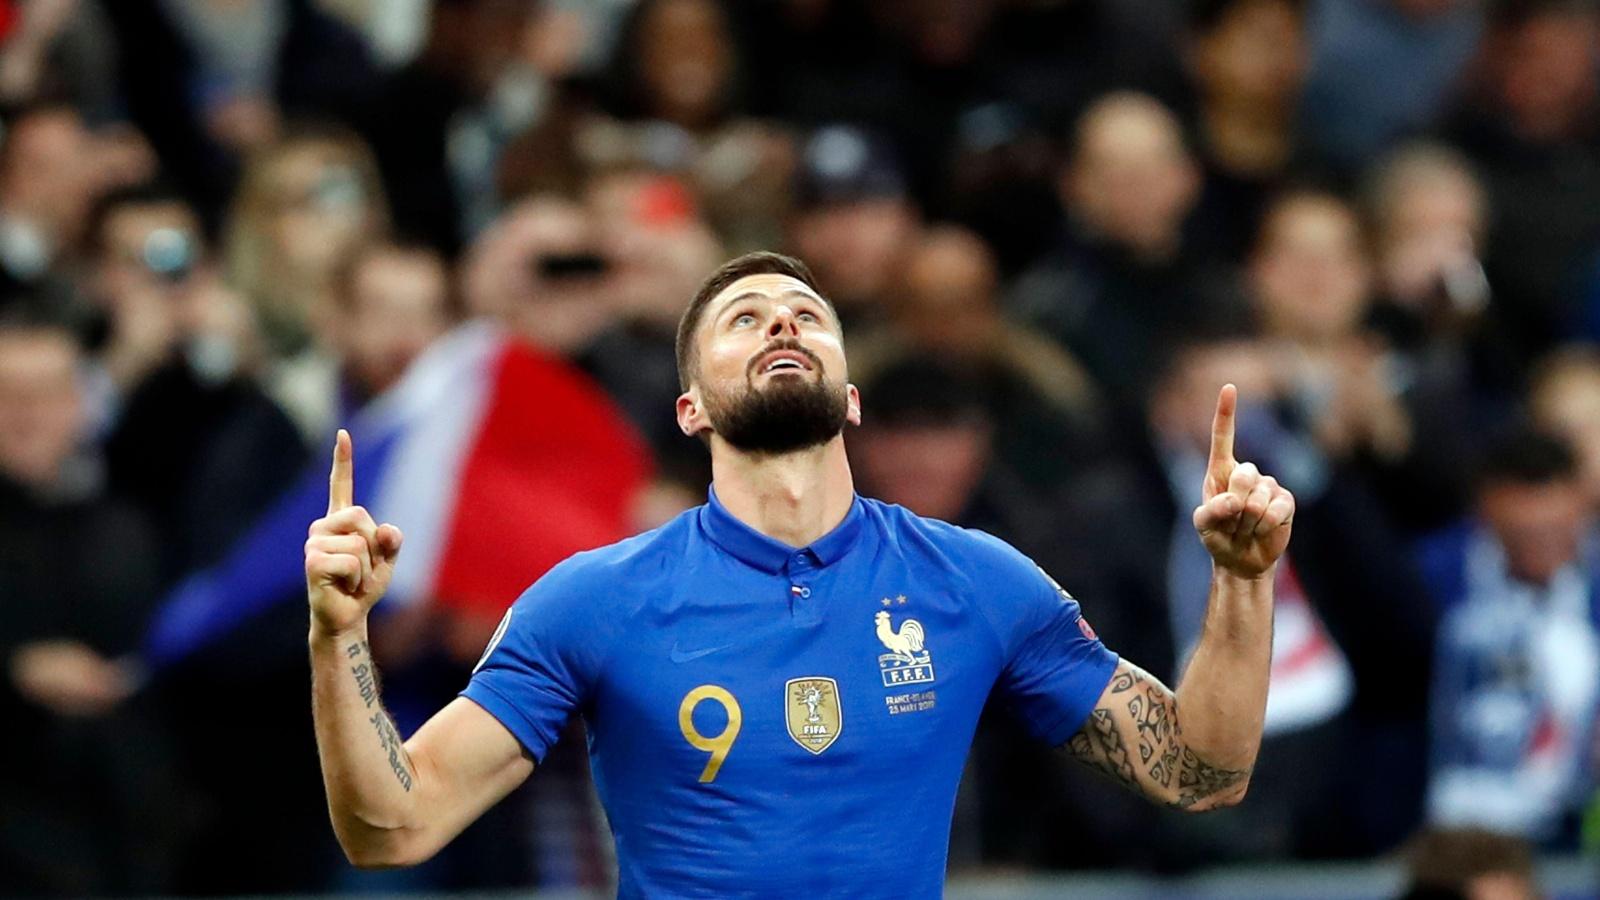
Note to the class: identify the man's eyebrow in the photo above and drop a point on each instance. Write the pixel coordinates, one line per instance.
(759, 295)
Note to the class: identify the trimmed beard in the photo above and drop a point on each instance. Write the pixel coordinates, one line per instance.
(788, 415)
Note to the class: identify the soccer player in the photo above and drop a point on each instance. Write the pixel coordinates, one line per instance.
(780, 686)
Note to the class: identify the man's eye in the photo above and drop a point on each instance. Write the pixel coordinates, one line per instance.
(743, 320)
(809, 317)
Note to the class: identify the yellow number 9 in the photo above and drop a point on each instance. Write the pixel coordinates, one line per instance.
(717, 746)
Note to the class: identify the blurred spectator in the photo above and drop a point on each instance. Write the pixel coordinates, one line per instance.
(385, 304)
(677, 88)
(80, 768)
(303, 207)
(438, 124)
(1381, 71)
(52, 169)
(1121, 283)
(1565, 400)
(1517, 675)
(1447, 357)
(1529, 125)
(391, 302)
(853, 219)
(1312, 280)
(947, 307)
(191, 439)
(1430, 214)
(1248, 59)
(1472, 864)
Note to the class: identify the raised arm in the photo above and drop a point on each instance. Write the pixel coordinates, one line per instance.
(392, 803)
(1194, 748)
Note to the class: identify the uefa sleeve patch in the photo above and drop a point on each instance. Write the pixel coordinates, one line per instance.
(494, 640)
(1087, 629)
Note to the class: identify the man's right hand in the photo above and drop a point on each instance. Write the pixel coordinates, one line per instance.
(349, 557)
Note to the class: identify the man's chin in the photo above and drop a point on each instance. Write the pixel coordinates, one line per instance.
(786, 415)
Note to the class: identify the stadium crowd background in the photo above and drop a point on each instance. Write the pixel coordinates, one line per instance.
(1053, 227)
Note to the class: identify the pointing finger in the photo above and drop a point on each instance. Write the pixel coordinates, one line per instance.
(1220, 466)
(342, 480)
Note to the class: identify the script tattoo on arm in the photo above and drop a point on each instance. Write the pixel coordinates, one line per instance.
(366, 677)
(1138, 711)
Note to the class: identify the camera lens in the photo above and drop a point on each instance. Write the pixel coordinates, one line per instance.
(169, 253)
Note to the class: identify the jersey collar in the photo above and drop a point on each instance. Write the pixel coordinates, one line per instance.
(768, 554)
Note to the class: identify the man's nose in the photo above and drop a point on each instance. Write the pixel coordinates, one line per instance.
(783, 323)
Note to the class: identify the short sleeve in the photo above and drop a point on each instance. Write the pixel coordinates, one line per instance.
(539, 666)
(1056, 666)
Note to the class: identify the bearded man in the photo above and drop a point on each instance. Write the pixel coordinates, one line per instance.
(780, 686)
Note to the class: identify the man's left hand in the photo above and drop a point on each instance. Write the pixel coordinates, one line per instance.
(1244, 517)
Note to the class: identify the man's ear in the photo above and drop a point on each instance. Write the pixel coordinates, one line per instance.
(692, 417)
(852, 408)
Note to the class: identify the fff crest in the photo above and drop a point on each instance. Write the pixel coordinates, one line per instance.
(908, 660)
(813, 711)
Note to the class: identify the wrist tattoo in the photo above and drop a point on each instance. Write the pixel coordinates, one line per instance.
(366, 676)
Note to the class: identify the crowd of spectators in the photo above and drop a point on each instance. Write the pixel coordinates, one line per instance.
(1053, 229)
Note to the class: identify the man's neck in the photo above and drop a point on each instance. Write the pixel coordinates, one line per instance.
(795, 498)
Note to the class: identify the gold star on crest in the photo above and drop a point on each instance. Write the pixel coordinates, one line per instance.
(901, 599)
(886, 601)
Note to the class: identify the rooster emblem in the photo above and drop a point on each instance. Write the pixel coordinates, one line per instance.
(906, 644)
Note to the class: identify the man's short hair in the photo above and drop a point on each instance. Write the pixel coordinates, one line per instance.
(761, 262)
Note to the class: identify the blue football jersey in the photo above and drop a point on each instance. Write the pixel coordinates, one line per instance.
(774, 721)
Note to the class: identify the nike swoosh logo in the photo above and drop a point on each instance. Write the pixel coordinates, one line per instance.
(681, 656)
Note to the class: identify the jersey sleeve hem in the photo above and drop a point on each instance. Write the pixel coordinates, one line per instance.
(1068, 723)
(496, 704)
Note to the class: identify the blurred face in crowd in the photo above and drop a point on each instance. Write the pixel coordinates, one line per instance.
(855, 247)
(948, 300)
(932, 467)
(1545, 71)
(1310, 271)
(321, 208)
(1539, 525)
(770, 373)
(395, 306)
(658, 246)
(1431, 221)
(151, 246)
(48, 174)
(40, 405)
(1132, 180)
(1566, 401)
(685, 60)
(1254, 58)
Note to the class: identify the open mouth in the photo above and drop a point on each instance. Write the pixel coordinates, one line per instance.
(782, 361)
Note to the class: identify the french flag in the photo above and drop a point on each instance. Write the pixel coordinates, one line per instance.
(494, 458)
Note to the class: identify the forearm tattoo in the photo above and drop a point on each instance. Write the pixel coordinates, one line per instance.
(1143, 711)
(366, 678)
